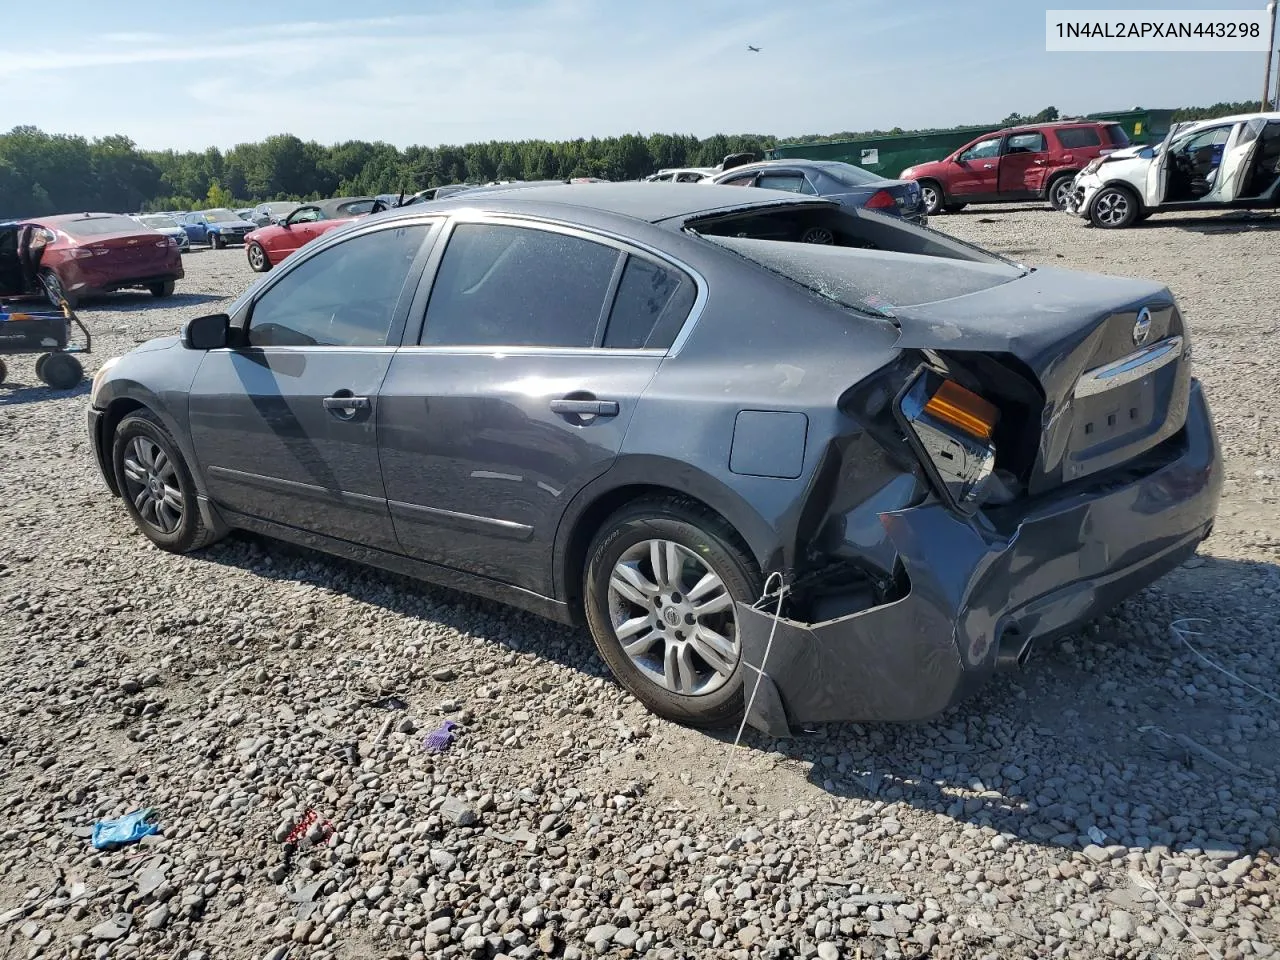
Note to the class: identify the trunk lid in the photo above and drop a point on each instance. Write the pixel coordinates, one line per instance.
(1109, 354)
(133, 253)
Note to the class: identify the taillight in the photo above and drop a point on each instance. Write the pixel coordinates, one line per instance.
(167, 242)
(881, 200)
(951, 428)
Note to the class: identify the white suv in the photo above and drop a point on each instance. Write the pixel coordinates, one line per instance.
(1204, 165)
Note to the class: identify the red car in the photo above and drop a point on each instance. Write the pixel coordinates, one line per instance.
(267, 246)
(73, 256)
(1035, 162)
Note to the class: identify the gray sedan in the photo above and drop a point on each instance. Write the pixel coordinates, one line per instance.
(840, 482)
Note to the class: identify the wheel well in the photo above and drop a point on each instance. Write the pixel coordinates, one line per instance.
(589, 522)
(1125, 187)
(932, 182)
(1060, 175)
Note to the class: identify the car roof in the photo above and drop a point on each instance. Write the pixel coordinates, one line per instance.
(76, 217)
(331, 206)
(647, 202)
(1270, 116)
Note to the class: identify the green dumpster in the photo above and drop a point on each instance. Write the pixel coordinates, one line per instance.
(1142, 126)
(885, 155)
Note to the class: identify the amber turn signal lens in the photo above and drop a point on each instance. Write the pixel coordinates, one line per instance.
(964, 409)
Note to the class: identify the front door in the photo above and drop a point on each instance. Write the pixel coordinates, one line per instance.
(976, 170)
(1023, 165)
(301, 227)
(284, 427)
(537, 344)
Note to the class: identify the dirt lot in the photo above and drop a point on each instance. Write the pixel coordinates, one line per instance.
(1056, 815)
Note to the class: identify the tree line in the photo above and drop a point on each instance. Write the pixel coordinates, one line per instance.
(43, 173)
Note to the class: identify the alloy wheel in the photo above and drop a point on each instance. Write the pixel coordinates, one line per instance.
(257, 258)
(1061, 191)
(152, 481)
(932, 202)
(820, 235)
(674, 617)
(1112, 207)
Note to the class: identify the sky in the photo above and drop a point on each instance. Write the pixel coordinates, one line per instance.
(190, 75)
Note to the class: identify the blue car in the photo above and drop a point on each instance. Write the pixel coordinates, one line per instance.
(216, 227)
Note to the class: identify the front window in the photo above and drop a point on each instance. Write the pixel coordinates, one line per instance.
(982, 150)
(306, 215)
(219, 216)
(343, 296)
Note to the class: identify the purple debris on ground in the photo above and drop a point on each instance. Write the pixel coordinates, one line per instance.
(438, 740)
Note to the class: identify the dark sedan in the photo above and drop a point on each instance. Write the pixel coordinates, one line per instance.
(843, 182)
(617, 404)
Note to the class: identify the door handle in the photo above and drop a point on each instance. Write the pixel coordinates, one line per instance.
(585, 408)
(345, 407)
(1039, 163)
(988, 166)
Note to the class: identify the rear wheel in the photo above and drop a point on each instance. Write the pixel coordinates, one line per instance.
(1114, 208)
(258, 258)
(164, 289)
(931, 193)
(659, 590)
(156, 485)
(1060, 191)
(60, 371)
(40, 360)
(4, 371)
(54, 291)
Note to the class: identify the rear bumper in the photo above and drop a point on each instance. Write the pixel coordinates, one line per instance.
(976, 597)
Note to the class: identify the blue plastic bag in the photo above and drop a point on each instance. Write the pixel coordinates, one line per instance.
(130, 828)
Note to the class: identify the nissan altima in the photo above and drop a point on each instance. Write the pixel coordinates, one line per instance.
(812, 482)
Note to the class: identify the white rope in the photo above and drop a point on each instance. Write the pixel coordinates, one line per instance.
(1182, 632)
(1152, 887)
(777, 613)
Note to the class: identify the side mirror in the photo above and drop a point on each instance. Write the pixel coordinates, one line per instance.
(207, 333)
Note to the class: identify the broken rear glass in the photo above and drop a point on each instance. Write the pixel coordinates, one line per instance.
(871, 281)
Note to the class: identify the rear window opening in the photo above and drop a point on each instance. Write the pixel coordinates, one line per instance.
(866, 262)
(100, 226)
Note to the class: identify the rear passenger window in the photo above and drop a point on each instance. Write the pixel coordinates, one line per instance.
(791, 182)
(1074, 138)
(650, 307)
(1025, 143)
(518, 286)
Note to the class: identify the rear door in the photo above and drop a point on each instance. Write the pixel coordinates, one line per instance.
(1023, 164)
(284, 427)
(1238, 160)
(976, 170)
(537, 342)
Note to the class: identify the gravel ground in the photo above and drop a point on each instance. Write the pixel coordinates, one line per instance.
(1117, 798)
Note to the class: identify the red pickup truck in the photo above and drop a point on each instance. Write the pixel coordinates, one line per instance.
(1034, 162)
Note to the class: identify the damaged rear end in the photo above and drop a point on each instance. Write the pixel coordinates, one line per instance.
(1036, 452)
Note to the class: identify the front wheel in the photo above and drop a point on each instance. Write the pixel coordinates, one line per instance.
(164, 289)
(660, 586)
(156, 485)
(216, 242)
(1114, 208)
(931, 193)
(258, 261)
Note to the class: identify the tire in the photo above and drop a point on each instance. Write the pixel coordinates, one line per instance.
(931, 193)
(818, 235)
(40, 361)
(54, 291)
(147, 462)
(1114, 208)
(656, 606)
(953, 207)
(216, 242)
(4, 370)
(61, 371)
(161, 290)
(1059, 191)
(258, 261)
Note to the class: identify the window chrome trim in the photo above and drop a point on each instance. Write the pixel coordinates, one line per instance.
(593, 234)
(1129, 368)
